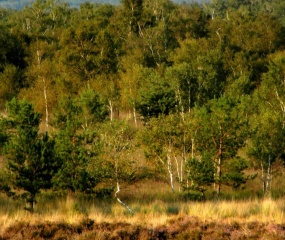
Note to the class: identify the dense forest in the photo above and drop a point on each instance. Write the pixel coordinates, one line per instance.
(103, 95)
(19, 4)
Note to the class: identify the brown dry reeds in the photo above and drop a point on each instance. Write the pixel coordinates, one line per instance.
(70, 210)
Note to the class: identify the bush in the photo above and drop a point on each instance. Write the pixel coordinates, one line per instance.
(104, 193)
(192, 196)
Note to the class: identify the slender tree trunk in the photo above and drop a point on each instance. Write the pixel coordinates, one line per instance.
(263, 178)
(192, 148)
(46, 102)
(182, 163)
(178, 96)
(39, 59)
(189, 97)
(111, 110)
(183, 160)
(178, 173)
(118, 190)
(169, 166)
(219, 176)
(119, 200)
(268, 177)
(135, 116)
(31, 202)
(219, 166)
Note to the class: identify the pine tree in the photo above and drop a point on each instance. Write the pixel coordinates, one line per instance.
(31, 160)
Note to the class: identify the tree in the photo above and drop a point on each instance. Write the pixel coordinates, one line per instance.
(198, 74)
(31, 159)
(87, 48)
(222, 130)
(168, 142)
(118, 141)
(243, 47)
(132, 10)
(267, 145)
(200, 173)
(42, 78)
(268, 120)
(77, 142)
(76, 152)
(12, 64)
(155, 96)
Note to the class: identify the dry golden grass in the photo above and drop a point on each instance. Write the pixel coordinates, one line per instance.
(70, 210)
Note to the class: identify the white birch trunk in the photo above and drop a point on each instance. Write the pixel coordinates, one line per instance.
(178, 96)
(119, 200)
(135, 116)
(169, 167)
(44, 89)
(178, 173)
(263, 178)
(118, 190)
(111, 110)
(268, 177)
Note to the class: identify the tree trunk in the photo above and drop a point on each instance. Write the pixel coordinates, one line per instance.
(268, 177)
(111, 110)
(179, 176)
(189, 96)
(219, 165)
(219, 173)
(179, 99)
(39, 60)
(169, 166)
(263, 178)
(119, 200)
(46, 103)
(135, 116)
(31, 202)
(118, 190)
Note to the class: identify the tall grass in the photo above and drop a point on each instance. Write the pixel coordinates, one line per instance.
(73, 210)
(152, 205)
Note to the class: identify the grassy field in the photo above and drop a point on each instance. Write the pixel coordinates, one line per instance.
(157, 214)
(72, 210)
(70, 217)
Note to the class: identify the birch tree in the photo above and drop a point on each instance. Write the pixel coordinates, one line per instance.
(118, 143)
(169, 143)
(268, 120)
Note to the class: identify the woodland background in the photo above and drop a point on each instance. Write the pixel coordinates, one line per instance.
(95, 97)
(19, 4)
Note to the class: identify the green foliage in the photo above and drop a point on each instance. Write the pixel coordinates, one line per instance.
(119, 162)
(160, 136)
(87, 50)
(133, 11)
(200, 173)
(31, 157)
(198, 72)
(12, 64)
(76, 154)
(77, 142)
(223, 130)
(234, 175)
(199, 81)
(3, 135)
(155, 96)
(84, 111)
